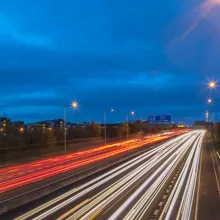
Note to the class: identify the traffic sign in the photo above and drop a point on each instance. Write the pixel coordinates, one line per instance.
(151, 119)
(162, 118)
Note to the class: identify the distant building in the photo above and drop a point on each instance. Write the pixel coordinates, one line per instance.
(58, 124)
(4, 122)
(18, 124)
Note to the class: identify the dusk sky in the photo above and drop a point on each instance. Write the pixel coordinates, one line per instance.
(151, 57)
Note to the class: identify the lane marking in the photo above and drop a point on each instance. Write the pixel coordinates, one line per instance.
(156, 212)
(160, 204)
(95, 215)
(165, 196)
(72, 210)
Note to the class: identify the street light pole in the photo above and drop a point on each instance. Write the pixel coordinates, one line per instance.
(73, 105)
(141, 123)
(127, 126)
(64, 130)
(105, 125)
(132, 113)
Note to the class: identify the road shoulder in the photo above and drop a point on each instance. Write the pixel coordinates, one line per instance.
(209, 200)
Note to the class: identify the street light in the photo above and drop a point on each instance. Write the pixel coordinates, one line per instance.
(73, 105)
(112, 110)
(130, 113)
(212, 84)
(213, 100)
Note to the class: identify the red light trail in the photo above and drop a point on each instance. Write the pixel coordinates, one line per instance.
(17, 176)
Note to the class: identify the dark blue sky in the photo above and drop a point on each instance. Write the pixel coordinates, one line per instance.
(152, 57)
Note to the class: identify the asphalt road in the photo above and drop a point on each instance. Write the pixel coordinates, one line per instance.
(15, 177)
(160, 183)
(209, 194)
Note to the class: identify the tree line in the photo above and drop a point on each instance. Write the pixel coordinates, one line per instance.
(11, 136)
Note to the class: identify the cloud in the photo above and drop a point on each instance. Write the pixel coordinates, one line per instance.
(10, 32)
(104, 54)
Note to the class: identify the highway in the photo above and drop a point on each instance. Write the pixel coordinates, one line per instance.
(158, 184)
(17, 176)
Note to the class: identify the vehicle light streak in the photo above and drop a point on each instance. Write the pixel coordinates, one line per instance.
(97, 182)
(129, 190)
(188, 195)
(119, 187)
(132, 198)
(138, 210)
(86, 158)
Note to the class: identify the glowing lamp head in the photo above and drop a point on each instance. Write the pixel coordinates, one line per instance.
(74, 105)
(212, 85)
(209, 100)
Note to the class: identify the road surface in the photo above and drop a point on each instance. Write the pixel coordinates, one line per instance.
(17, 176)
(160, 183)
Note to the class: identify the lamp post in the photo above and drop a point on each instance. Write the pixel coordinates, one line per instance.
(141, 123)
(73, 105)
(131, 113)
(207, 116)
(112, 110)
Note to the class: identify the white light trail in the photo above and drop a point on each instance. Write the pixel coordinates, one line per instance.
(162, 160)
(94, 183)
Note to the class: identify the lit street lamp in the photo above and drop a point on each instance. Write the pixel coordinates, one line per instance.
(213, 100)
(73, 105)
(112, 110)
(209, 100)
(212, 85)
(131, 113)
